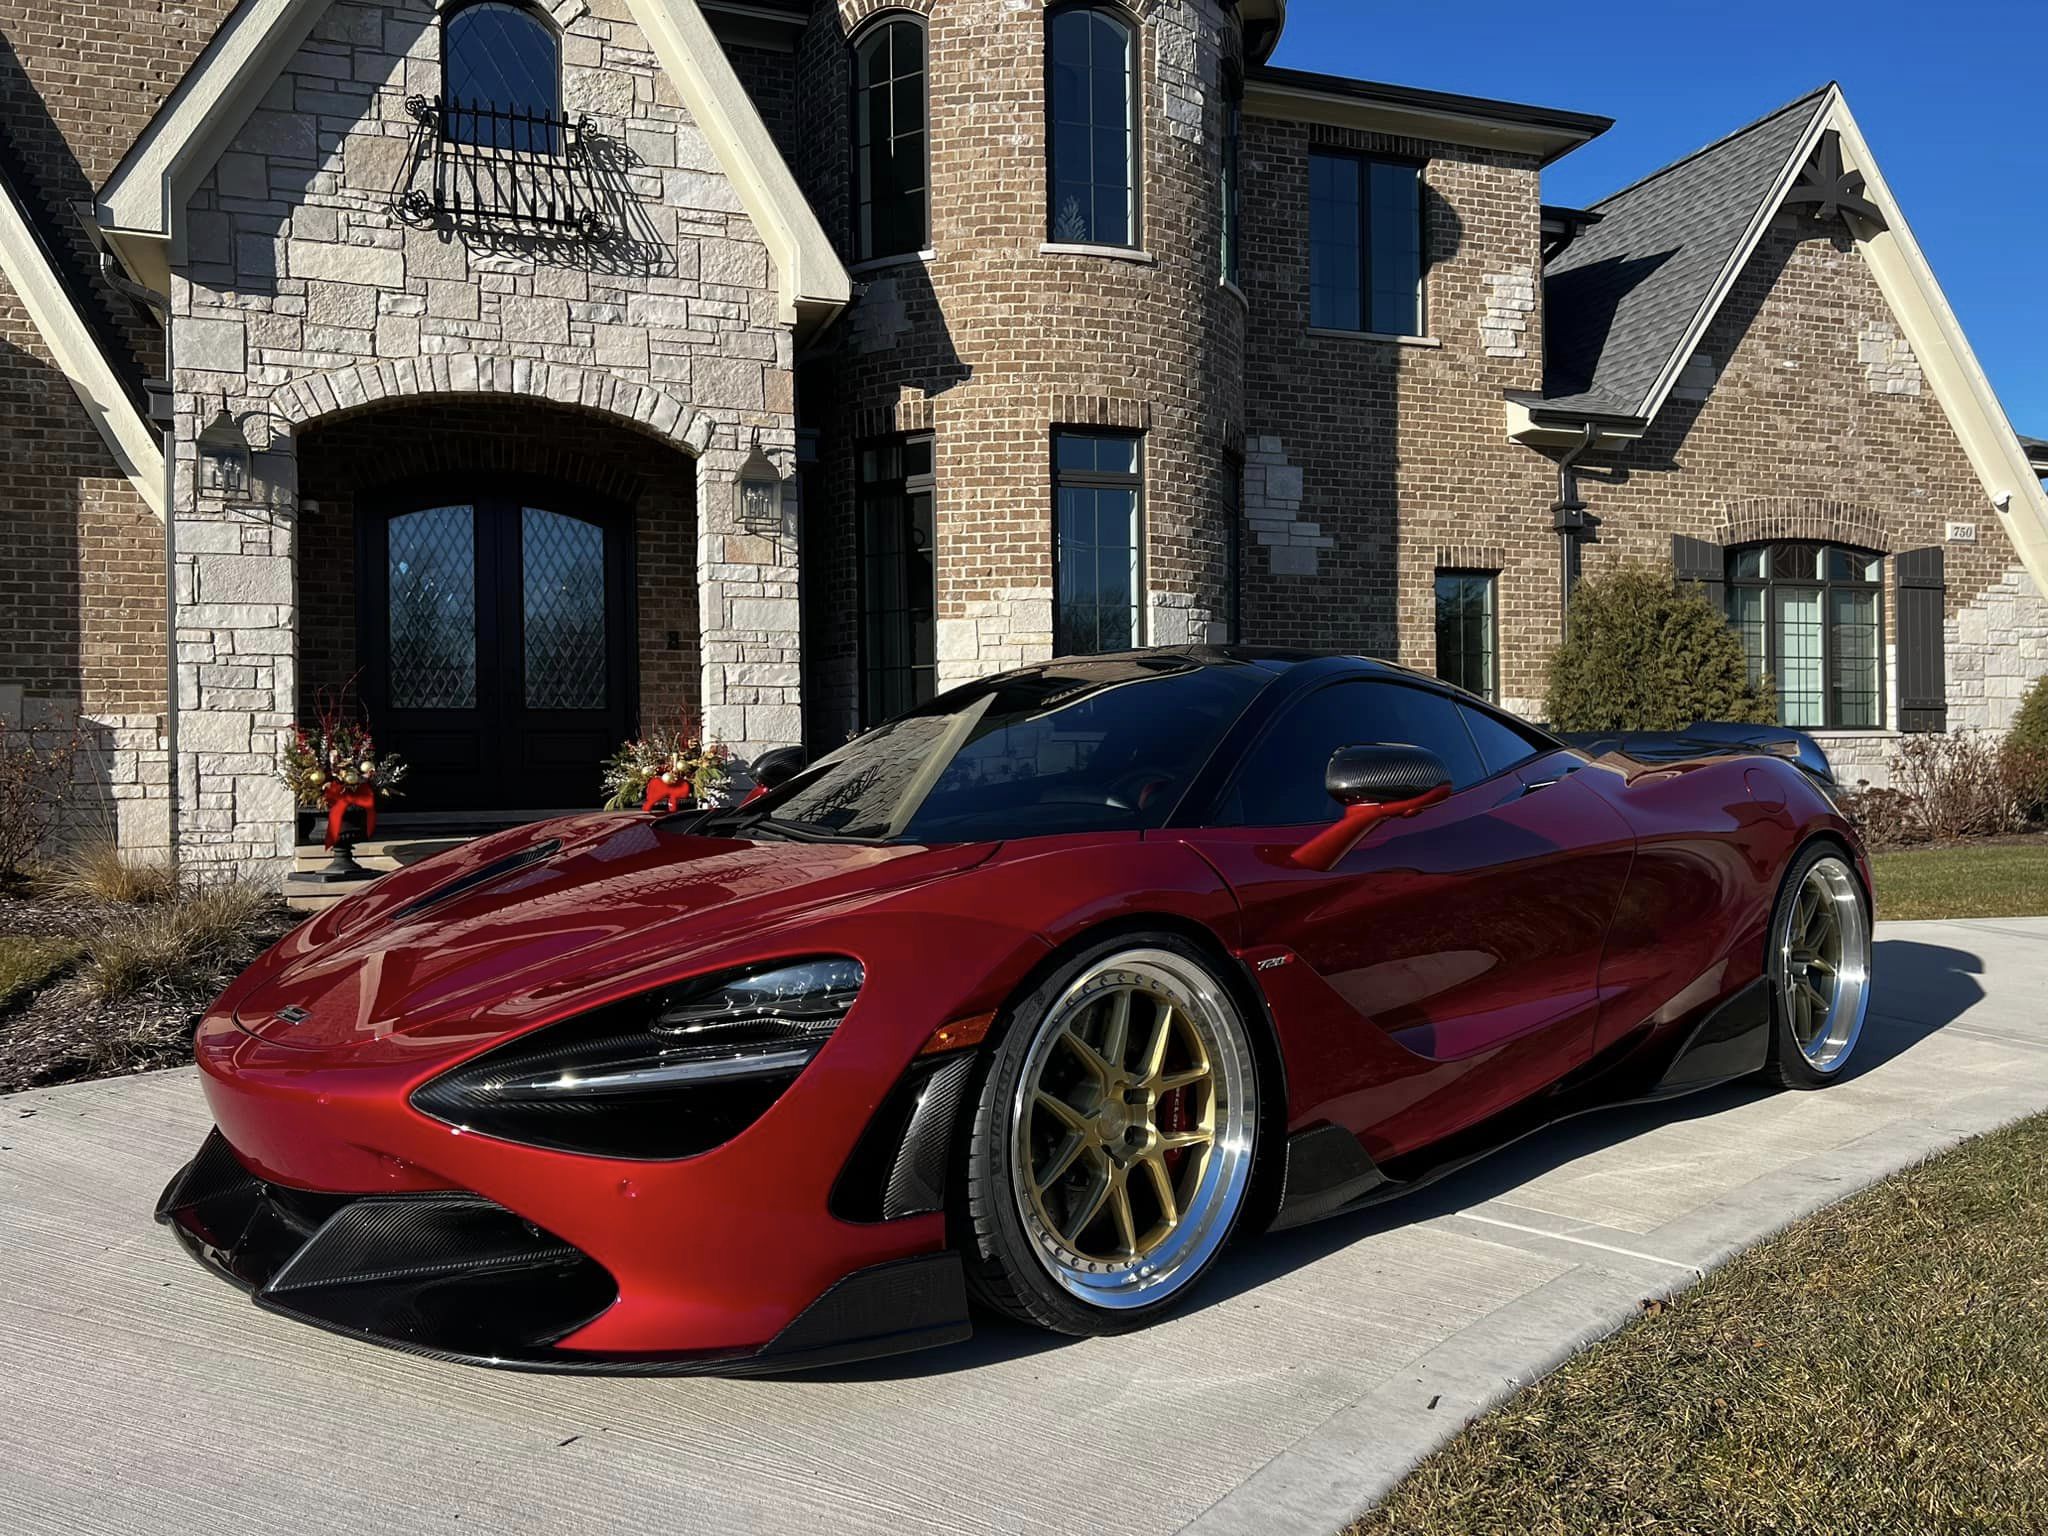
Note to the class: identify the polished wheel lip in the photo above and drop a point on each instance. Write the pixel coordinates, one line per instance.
(1820, 961)
(1207, 1214)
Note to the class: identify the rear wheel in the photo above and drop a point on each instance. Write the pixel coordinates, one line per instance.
(1112, 1145)
(1819, 966)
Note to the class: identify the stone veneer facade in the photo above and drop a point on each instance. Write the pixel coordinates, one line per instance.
(355, 349)
(305, 299)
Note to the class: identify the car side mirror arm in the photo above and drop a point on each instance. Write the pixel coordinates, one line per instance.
(1322, 851)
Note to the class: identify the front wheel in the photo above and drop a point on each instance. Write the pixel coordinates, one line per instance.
(1819, 965)
(1112, 1145)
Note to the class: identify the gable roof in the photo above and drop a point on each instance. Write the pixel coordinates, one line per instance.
(1622, 335)
(1622, 301)
(142, 205)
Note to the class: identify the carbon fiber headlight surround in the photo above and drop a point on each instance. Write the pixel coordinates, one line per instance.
(666, 1075)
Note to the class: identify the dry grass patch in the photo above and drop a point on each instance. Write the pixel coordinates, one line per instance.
(1969, 880)
(103, 873)
(1879, 1367)
(29, 964)
(191, 945)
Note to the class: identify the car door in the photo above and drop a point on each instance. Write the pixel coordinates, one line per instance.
(1455, 955)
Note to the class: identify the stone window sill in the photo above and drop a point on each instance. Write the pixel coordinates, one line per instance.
(884, 263)
(1399, 341)
(1112, 252)
(1235, 292)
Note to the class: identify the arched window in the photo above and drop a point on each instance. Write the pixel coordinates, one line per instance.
(1092, 112)
(501, 78)
(890, 140)
(1812, 617)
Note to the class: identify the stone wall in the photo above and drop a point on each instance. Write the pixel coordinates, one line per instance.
(993, 341)
(305, 297)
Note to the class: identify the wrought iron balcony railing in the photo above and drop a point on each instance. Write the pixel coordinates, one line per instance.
(508, 172)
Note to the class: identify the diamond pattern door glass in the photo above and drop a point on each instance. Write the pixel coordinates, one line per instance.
(431, 571)
(563, 563)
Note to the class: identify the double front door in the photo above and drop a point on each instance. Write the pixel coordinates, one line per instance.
(494, 626)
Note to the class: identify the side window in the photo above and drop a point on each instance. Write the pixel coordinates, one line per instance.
(1501, 745)
(1281, 782)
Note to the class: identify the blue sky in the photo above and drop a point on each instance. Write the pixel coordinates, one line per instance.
(1949, 96)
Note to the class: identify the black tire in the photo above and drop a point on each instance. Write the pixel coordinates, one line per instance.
(999, 1226)
(1823, 873)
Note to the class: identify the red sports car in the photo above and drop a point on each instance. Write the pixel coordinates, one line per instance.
(1041, 994)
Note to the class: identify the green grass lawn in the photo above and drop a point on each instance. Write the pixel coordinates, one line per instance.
(1879, 1367)
(1969, 880)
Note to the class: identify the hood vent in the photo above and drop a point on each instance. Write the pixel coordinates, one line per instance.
(497, 869)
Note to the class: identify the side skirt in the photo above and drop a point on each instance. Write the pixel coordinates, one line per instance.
(1329, 1173)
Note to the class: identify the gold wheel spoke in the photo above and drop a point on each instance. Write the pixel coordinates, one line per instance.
(1170, 1141)
(1116, 1030)
(1061, 1111)
(1155, 1048)
(1183, 1079)
(1097, 1198)
(1062, 1162)
(1818, 964)
(1090, 1057)
(1162, 1186)
(1120, 1202)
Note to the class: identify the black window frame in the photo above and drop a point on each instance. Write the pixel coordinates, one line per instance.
(1134, 122)
(1491, 580)
(860, 239)
(1101, 480)
(454, 109)
(903, 487)
(1365, 163)
(1825, 586)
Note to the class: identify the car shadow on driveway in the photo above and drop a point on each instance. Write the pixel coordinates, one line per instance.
(1936, 984)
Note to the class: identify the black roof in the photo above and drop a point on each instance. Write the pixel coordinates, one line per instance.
(1619, 300)
(1581, 125)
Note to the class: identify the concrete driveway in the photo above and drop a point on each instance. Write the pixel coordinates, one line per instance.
(142, 1395)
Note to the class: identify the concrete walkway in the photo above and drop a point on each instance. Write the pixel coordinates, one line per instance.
(138, 1394)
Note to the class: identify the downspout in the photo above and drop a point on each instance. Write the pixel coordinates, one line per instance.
(164, 410)
(1568, 520)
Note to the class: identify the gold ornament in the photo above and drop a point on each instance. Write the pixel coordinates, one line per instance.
(369, 770)
(350, 777)
(670, 776)
(317, 777)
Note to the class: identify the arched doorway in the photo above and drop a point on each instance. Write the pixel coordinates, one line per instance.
(495, 622)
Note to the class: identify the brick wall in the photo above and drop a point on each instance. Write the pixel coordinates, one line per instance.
(1370, 458)
(993, 342)
(346, 462)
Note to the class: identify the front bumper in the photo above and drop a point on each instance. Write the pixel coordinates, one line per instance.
(454, 1276)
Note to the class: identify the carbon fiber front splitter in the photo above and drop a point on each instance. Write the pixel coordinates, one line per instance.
(456, 1277)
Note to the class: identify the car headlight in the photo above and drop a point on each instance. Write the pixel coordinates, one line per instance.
(670, 1074)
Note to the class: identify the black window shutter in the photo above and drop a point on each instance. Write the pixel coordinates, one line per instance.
(1704, 564)
(1923, 669)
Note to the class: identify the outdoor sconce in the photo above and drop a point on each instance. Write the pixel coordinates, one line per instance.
(224, 458)
(758, 504)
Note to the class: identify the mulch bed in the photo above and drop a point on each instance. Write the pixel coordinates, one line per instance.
(64, 1034)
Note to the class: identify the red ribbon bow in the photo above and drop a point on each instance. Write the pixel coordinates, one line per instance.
(675, 796)
(340, 797)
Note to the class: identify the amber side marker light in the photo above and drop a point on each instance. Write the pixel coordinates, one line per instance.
(971, 1030)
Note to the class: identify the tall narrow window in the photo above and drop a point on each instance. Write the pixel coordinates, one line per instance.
(1465, 631)
(890, 160)
(1232, 193)
(1097, 489)
(897, 652)
(1092, 105)
(501, 78)
(1365, 245)
(1811, 616)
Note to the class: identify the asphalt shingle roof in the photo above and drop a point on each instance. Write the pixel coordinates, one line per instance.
(1619, 299)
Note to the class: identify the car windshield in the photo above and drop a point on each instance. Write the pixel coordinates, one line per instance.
(1076, 746)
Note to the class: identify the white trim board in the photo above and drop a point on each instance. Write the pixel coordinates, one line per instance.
(76, 351)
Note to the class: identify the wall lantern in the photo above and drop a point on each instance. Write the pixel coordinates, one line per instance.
(758, 503)
(224, 458)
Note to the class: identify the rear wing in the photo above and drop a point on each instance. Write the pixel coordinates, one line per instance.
(1710, 738)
